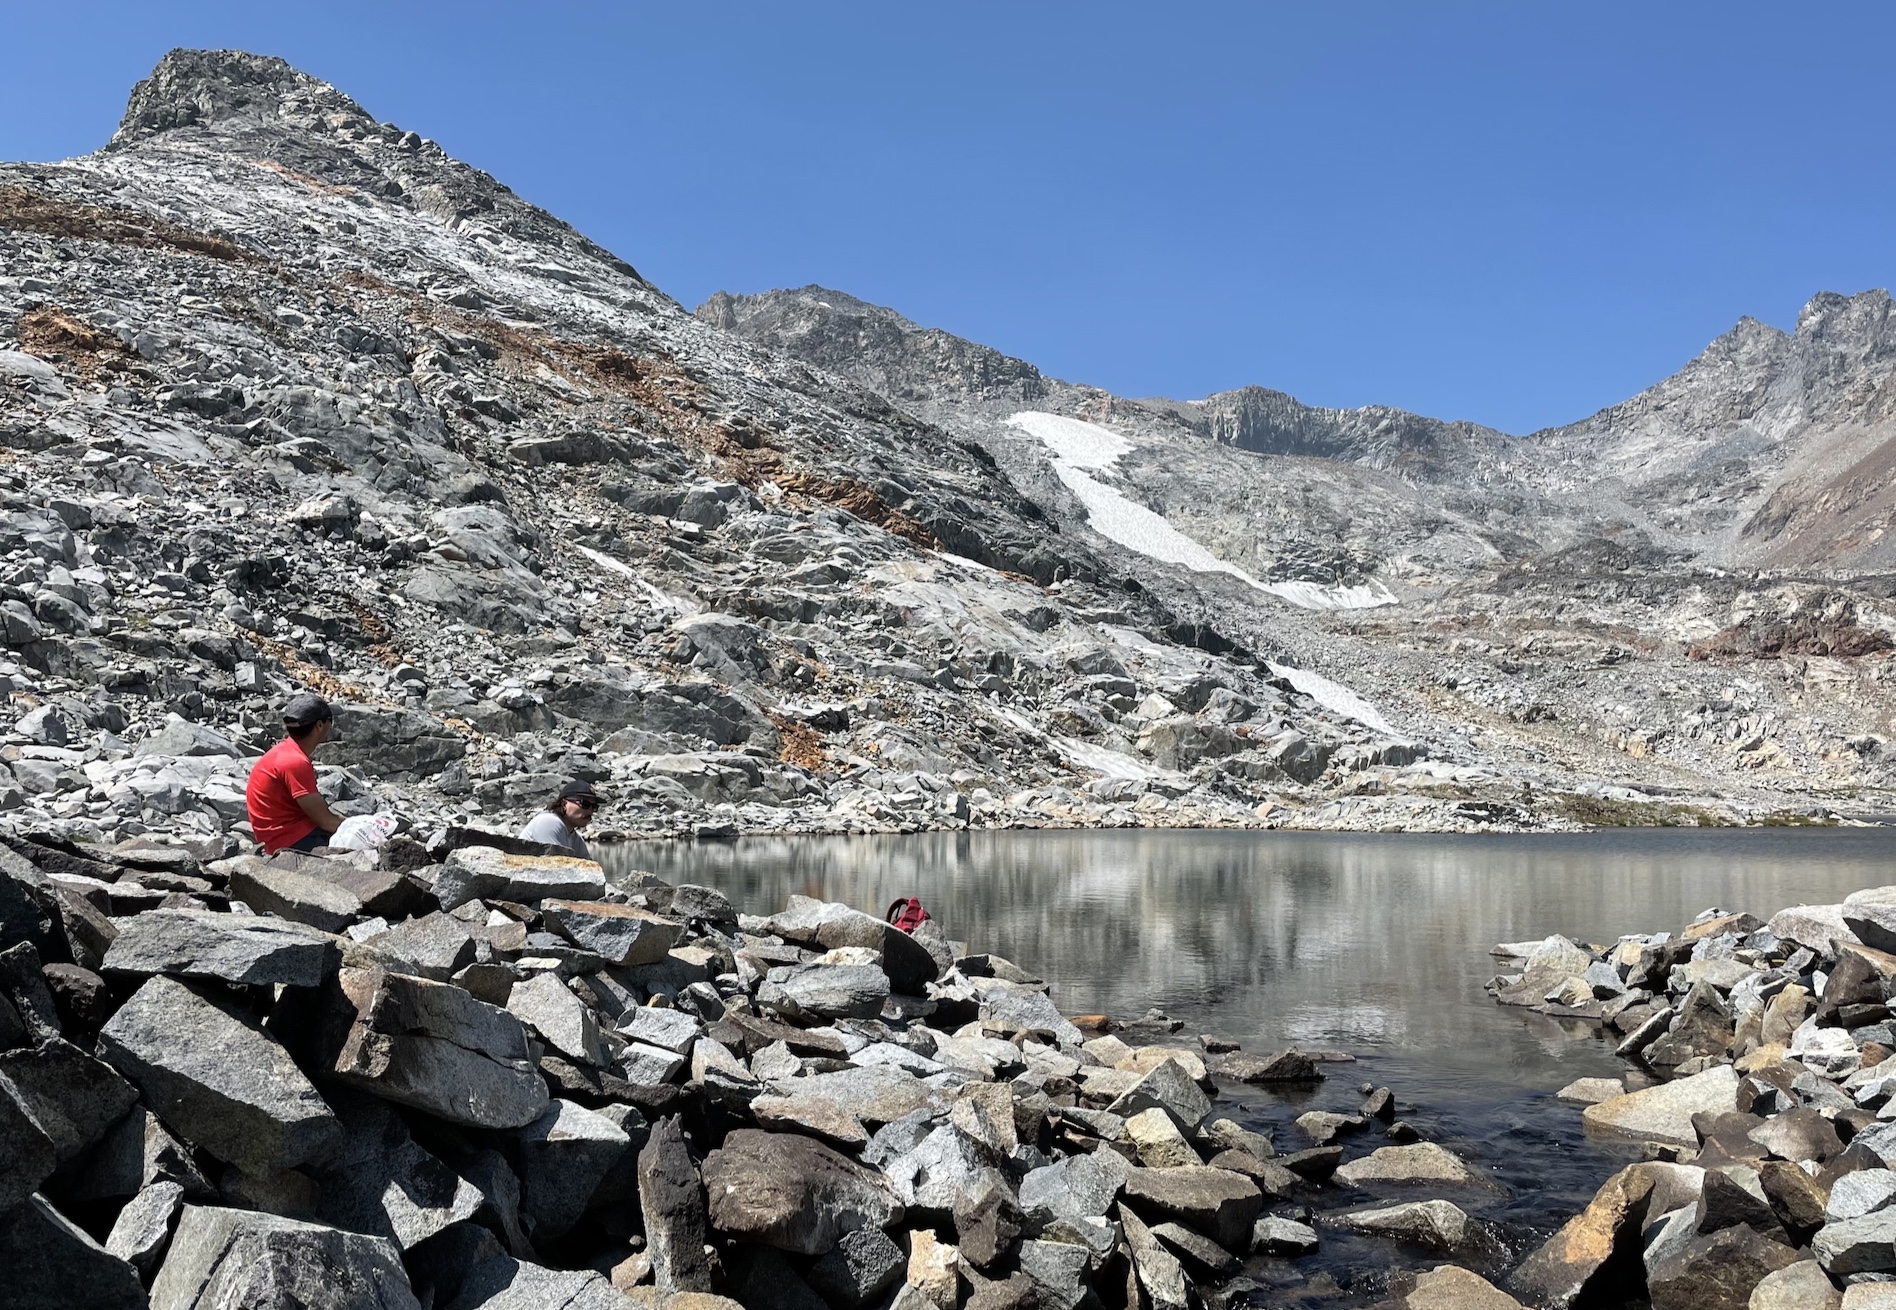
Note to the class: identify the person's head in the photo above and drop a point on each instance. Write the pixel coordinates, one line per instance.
(575, 803)
(308, 720)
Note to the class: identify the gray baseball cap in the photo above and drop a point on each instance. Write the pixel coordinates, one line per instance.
(306, 709)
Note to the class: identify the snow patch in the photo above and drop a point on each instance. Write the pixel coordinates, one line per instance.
(1104, 760)
(663, 600)
(1080, 449)
(1337, 698)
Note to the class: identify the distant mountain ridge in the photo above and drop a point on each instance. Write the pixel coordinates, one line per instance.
(1766, 449)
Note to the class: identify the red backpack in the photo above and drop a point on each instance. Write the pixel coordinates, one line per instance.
(907, 914)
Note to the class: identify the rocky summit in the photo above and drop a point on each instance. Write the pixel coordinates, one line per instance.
(291, 399)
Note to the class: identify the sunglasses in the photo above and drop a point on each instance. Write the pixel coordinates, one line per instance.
(584, 805)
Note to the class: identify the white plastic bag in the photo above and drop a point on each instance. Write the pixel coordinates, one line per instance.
(363, 832)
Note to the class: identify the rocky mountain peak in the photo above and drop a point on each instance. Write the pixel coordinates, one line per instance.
(873, 345)
(1832, 317)
(204, 88)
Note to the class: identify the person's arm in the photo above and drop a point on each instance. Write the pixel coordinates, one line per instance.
(319, 812)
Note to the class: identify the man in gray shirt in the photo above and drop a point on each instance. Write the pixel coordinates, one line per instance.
(559, 823)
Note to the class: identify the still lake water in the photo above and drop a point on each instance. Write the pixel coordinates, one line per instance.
(1371, 944)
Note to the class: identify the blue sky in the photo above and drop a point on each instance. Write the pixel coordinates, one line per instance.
(1514, 213)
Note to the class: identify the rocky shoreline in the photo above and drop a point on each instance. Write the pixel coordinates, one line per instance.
(476, 1075)
(1765, 1065)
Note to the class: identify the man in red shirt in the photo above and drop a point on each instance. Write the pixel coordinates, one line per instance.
(286, 810)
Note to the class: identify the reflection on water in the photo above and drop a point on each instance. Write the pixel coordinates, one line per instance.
(1375, 945)
(1366, 942)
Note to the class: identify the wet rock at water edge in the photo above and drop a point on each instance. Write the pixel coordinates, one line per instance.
(1286, 1066)
(1217, 1203)
(1577, 1260)
(1664, 1113)
(1422, 1162)
(1277, 1236)
(1441, 1225)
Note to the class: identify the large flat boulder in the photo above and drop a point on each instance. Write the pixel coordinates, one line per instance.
(486, 873)
(1419, 1162)
(288, 893)
(1871, 915)
(424, 1044)
(1820, 927)
(622, 934)
(825, 991)
(1216, 1202)
(792, 1193)
(1663, 1114)
(233, 948)
(875, 1095)
(244, 1260)
(208, 1069)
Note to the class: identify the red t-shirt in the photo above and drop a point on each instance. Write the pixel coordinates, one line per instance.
(283, 774)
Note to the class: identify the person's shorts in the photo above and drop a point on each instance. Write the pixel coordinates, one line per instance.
(317, 837)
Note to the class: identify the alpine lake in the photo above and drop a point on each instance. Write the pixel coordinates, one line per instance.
(1367, 946)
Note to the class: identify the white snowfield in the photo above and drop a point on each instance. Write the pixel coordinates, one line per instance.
(1336, 698)
(1080, 449)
